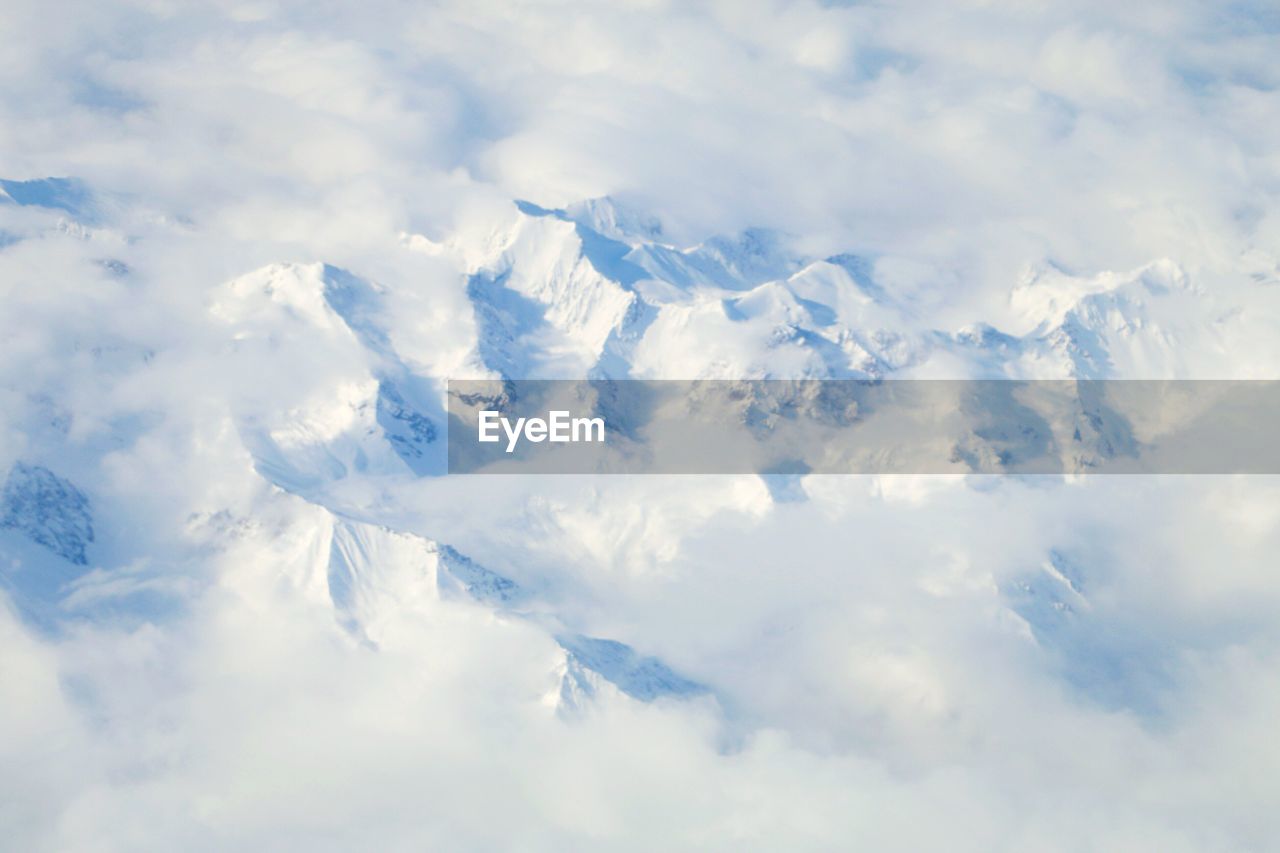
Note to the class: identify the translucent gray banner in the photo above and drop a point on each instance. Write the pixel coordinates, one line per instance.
(863, 426)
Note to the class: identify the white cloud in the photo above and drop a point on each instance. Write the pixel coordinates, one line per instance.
(875, 682)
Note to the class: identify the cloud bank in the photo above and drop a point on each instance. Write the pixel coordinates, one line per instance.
(276, 229)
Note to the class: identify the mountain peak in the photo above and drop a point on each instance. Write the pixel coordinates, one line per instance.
(49, 510)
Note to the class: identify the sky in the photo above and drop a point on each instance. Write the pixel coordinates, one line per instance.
(889, 662)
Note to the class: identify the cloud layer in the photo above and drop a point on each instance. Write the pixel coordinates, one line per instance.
(892, 663)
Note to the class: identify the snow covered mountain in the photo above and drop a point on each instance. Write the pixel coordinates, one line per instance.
(303, 407)
(592, 290)
(248, 600)
(585, 292)
(48, 510)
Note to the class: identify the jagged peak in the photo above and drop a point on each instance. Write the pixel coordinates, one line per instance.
(752, 256)
(1048, 293)
(48, 510)
(370, 567)
(604, 215)
(638, 676)
(616, 220)
(320, 294)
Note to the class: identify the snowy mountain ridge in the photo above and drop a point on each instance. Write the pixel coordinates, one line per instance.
(594, 290)
(555, 298)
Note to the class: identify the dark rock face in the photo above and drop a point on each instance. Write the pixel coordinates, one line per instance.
(408, 430)
(48, 510)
